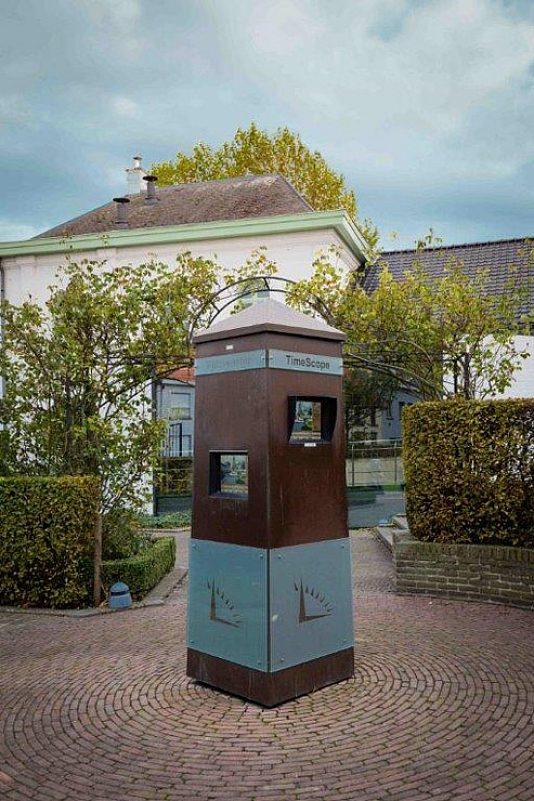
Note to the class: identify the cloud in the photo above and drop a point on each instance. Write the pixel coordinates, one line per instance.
(11, 230)
(116, 19)
(14, 111)
(124, 106)
(402, 95)
(426, 106)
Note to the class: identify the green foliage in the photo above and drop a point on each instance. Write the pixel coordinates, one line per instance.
(176, 476)
(469, 468)
(255, 152)
(121, 535)
(141, 572)
(47, 540)
(170, 520)
(78, 371)
(414, 333)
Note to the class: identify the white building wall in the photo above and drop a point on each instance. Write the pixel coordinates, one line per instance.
(523, 381)
(31, 276)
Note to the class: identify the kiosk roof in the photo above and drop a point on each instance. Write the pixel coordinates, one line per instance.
(269, 315)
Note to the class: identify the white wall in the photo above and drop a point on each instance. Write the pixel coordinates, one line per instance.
(522, 385)
(523, 380)
(294, 253)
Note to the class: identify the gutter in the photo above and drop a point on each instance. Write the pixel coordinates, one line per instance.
(338, 221)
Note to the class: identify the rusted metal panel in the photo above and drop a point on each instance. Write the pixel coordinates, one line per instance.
(270, 689)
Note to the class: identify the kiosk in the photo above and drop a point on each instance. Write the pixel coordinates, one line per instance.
(270, 602)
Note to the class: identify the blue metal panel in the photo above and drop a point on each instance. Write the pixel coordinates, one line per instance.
(228, 614)
(311, 602)
(231, 362)
(305, 362)
(276, 359)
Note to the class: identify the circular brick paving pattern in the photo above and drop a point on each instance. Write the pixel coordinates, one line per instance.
(440, 708)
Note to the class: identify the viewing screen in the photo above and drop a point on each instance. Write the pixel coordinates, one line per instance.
(307, 422)
(229, 474)
(311, 419)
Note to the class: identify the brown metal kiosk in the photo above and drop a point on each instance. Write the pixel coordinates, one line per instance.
(270, 605)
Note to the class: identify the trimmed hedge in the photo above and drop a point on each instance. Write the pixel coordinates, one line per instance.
(141, 572)
(170, 520)
(469, 468)
(47, 540)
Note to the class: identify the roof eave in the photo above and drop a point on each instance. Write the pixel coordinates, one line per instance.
(177, 234)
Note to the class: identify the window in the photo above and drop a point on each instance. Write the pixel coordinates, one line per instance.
(311, 420)
(177, 443)
(187, 449)
(179, 406)
(229, 474)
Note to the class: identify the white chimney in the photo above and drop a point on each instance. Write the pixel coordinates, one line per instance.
(135, 176)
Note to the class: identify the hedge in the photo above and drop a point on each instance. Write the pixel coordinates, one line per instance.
(469, 469)
(166, 521)
(47, 540)
(141, 572)
(176, 476)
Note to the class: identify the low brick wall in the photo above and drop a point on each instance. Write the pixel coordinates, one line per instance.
(486, 573)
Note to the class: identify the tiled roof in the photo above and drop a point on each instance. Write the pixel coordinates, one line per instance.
(184, 374)
(185, 204)
(496, 257)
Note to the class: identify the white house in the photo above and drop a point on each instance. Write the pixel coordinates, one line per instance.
(228, 219)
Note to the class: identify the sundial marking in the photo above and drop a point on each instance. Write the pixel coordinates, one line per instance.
(317, 596)
(218, 598)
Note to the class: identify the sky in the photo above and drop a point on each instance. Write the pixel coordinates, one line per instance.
(425, 106)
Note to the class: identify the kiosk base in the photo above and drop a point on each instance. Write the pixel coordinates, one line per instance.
(270, 689)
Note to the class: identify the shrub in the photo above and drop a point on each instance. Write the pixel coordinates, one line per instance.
(171, 520)
(121, 536)
(143, 571)
(47, 540)
(469, 468)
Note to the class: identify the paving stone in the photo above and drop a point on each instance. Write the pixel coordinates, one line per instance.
(441, 707)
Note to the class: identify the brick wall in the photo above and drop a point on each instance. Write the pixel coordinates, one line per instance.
(473, 572)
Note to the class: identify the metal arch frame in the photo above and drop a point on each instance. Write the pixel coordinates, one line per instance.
(219, 302)
(405, 377)
(317, 304)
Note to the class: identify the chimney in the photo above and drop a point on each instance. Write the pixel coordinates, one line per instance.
(135, 177)
(150, 189)
(122, 212)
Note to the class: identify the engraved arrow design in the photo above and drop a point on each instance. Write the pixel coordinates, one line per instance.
(303, 616)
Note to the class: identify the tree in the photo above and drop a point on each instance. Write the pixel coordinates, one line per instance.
(77, 371)
(433, 337)
(253, 151)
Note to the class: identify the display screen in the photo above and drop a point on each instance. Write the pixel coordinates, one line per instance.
(311, 420)
(229, 474)
(307, 422)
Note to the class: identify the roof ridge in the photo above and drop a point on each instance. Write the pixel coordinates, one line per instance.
(247, 177)
(295, 190)
(460, 245)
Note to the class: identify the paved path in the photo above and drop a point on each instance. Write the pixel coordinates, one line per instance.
(440, 709)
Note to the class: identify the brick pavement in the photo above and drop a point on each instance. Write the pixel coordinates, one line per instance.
(440, 709)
